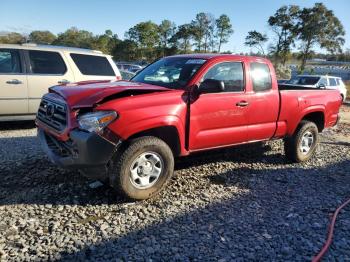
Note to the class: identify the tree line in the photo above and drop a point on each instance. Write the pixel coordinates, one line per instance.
(144, 41)
(292, 28)
(304, 28)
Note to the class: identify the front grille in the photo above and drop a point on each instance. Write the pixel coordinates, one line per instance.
(53, 114)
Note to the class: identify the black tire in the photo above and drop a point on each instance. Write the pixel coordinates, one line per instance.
(292, 144)
(120, 169)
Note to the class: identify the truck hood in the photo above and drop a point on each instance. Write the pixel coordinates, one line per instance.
(87, 94)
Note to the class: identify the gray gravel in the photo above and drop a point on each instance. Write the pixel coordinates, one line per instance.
(246, 203)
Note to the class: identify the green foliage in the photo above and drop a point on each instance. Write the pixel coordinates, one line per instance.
(146, 41)
(201, 31)
(283, 24)
(126, 50)
(300, 70)
(318, 26)
(106, 42)
(166, 31)
(182, 38)
(74, 37)
(256, 39)
(42, 37)
(224, 30)
(283, 72)
(145, 35)
(12, 38)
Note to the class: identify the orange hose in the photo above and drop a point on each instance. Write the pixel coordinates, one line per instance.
(330, 233)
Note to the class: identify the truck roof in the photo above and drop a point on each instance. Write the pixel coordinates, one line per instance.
(32, 46)
(219, 56)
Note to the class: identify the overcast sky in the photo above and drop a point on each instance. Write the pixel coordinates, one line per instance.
(97, 16)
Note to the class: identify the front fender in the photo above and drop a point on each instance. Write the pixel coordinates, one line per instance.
(127, 131)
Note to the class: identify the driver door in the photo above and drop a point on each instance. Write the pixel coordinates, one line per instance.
(220, 119)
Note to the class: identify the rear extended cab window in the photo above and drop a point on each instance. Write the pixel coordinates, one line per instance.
(261, 77)
(93, 65)
(47, 63)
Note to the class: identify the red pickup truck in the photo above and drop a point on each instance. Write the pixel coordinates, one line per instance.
(127, 133)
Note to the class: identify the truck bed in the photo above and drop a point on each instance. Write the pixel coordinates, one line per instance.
(296, 100)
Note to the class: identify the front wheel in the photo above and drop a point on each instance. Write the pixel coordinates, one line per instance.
(143, 168)
(302, 145)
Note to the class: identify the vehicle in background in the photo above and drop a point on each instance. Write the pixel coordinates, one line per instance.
(127, 133)
(319, 81)
(28, 70)
(128, 67)
(282, 81)
(126, 75)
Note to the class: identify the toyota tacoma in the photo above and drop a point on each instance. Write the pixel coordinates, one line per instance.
(127, 133)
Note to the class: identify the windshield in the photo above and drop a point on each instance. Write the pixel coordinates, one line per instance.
(171, 72)
(304, 80)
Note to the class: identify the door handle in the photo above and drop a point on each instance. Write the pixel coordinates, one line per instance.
(63, 82)
(242, 103)
(14, 82)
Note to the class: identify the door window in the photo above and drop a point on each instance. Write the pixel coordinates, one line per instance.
(43, 62)
(231, 73)
(332, 82)
(323, 81)
(261, 77)
(10, 62)
(93, 65)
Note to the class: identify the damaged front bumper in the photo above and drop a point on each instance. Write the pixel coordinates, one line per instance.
(85, 151)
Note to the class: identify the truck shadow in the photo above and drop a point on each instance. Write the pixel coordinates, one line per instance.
(28, 177)
(28, 124)
(249, 153)
(339, 143)
(222, 228)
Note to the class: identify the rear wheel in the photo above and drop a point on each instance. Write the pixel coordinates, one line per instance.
(142, 169)
(302, 145)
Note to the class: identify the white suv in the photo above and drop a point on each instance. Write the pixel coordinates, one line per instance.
(320, 81)
(28, 70)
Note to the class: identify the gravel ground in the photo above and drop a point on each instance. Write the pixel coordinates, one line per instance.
(245, 203)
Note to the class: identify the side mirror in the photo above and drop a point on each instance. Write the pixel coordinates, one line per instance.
(321, 86)
(211, 86)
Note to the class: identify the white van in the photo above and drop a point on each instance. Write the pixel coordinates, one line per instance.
(28, 70)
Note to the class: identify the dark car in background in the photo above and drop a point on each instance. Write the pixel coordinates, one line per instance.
(126, 75)
(129, 67)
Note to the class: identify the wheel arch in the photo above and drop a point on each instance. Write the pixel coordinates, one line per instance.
(316, 117)
(313, 114)
(169, 134)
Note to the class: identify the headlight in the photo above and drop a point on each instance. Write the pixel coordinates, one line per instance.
(96, 121)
